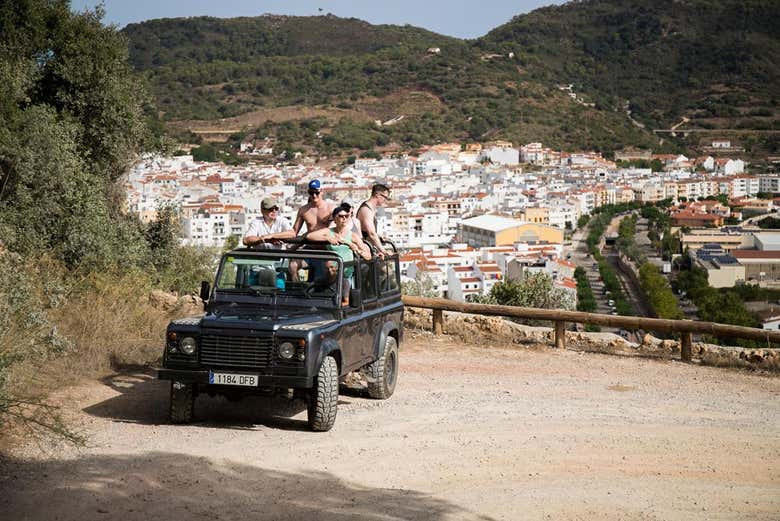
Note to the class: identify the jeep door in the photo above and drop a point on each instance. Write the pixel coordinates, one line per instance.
(371, 307)
(389, 293)
(352, 332)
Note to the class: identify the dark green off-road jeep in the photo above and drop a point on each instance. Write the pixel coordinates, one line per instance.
(288, 321)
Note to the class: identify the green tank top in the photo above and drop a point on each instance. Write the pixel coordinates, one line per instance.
(345, 252)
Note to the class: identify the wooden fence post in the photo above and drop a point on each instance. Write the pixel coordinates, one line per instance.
(560, 334)
(438, 321)
(686, 342)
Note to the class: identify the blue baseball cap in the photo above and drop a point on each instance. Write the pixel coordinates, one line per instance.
(315, 184)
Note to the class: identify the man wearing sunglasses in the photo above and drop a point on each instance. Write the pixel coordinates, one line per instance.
(316, 213)
(366, 214)
(266, 231)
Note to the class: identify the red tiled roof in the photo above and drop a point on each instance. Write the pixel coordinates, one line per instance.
(686, 216)
(755, 254)
(567, 283)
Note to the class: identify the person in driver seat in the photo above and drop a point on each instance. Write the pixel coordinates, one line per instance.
(329, 284)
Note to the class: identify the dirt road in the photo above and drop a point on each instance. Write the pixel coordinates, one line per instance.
(470, 434)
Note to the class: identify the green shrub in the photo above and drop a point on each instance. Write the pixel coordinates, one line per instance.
(659, 292)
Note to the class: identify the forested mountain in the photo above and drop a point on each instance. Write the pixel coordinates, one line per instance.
(629, 66)
(668, 58)
(172, 41)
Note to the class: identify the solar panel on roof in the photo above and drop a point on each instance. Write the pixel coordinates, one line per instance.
(727, 260)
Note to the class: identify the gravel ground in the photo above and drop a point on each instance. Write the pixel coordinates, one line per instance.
(470, 434)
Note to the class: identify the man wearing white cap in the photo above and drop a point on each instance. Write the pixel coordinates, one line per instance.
(267, 230)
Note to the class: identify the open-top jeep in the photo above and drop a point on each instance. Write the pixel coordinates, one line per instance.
(288, 321)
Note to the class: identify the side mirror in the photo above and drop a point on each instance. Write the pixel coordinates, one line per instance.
(205, 290)
(354, 298)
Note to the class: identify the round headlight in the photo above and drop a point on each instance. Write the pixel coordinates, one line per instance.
(286, 350)
(188, 345)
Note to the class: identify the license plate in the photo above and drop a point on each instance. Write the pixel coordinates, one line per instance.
(246, 380)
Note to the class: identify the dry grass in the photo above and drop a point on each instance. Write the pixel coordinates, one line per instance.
(276, 115)
(113, 325)
(110, 326)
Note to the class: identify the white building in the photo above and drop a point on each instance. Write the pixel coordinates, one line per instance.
(212, 229)
(501, 155)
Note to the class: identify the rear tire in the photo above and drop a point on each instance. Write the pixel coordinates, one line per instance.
(324, 397)
(182, 402)
(382, 374)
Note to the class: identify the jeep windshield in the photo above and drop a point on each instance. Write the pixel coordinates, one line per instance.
(283, 276)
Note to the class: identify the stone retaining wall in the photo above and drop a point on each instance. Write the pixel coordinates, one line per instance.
(497, 331)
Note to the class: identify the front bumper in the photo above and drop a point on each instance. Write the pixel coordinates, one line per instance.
(202, 377)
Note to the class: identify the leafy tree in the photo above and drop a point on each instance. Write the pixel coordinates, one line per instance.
(72, 120)
(659, 292)
(769, 223)
(586, 300)
(206, 152)
(534, 290)
(231, 243)
(73, 116)
(162, 235)
(421, 285)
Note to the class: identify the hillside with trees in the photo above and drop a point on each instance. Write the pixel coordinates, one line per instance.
(593, 74)
(714, 63)
(75, 270)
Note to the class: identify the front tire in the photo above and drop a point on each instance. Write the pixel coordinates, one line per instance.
(182, 402)
(382, 374)
(324, 397)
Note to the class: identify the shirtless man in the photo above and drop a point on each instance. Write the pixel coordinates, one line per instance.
(366, 214)
(316, 215)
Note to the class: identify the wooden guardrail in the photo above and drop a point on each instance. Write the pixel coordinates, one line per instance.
(560, 318)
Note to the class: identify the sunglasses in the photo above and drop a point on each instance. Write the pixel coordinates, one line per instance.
(314, 192)
(272, 209)
(344, 215)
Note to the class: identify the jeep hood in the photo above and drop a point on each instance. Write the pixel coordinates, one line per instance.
(263, 317)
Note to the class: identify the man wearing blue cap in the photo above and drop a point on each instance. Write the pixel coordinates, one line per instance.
(316, 213)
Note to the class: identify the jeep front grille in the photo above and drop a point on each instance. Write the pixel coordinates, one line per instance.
(236, 351)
